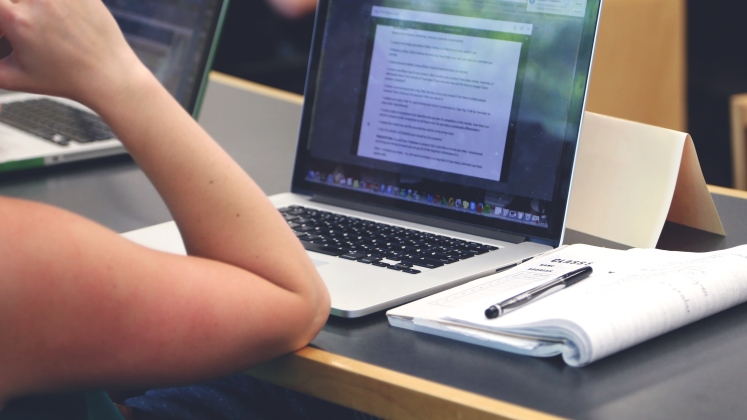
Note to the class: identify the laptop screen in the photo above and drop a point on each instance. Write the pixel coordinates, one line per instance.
(173, 38)
(458, 110)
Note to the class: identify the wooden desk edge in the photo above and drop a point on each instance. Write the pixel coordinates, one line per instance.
(381, 392)
(714, 189)
(256, 87)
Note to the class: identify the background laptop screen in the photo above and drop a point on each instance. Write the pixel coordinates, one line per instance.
(466, 110)
(172, 38)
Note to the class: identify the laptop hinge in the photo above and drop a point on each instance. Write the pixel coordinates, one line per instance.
(422, 219)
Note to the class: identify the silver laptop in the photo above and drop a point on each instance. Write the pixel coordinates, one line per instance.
(437, 141)
(175, 39)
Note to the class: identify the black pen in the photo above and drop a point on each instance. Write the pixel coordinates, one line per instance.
(552, 286)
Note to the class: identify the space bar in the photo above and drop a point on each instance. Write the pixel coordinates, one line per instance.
(322, 249)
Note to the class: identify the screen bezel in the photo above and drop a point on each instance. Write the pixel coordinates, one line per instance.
(207, 57)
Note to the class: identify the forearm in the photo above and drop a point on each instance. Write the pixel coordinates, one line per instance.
(220, 211)
(84, 307)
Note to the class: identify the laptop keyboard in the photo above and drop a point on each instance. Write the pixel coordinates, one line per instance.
(379, 244)
(55, 121)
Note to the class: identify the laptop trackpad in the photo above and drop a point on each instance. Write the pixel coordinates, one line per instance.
(318, 263)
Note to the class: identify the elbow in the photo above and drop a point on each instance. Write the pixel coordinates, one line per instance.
(312, 315)
(317, 314)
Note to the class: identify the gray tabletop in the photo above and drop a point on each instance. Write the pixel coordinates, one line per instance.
(697, 371)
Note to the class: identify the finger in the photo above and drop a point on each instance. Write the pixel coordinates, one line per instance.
(10, 77)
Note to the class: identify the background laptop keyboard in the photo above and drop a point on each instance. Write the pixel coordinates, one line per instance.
(379, 244)
(55, 121)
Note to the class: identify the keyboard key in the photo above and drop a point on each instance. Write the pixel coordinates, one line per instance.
(322, 249)
(353, 256)
(424, 262)
(304, 228)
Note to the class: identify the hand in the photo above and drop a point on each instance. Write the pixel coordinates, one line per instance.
(70, 48)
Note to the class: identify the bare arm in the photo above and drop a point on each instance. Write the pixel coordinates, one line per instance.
(79, 305)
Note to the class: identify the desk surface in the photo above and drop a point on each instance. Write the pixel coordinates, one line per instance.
(694, 372)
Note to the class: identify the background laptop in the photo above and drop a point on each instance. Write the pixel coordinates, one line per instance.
(175, 39)
(455, 123)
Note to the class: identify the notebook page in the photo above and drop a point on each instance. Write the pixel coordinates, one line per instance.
(635, 297)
